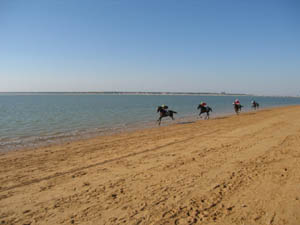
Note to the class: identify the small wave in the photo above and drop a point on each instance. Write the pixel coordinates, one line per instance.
(22, 142)
(15, 143)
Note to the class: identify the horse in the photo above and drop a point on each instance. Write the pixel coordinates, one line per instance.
(255, 105)
(237, 108)
(164, 113)
(204, 109)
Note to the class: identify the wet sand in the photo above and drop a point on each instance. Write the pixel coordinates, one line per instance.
(232, 170)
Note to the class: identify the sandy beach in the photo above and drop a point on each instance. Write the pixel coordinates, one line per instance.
(231, 170)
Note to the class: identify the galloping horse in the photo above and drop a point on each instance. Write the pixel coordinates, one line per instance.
(164, 113)
(237, 108)
(255, 105)
(204, 109)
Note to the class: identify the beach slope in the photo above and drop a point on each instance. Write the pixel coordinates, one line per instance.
(233, 170)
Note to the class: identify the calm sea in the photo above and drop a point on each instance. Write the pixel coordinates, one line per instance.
(31, 120)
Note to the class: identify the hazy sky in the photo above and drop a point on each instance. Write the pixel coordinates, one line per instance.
(150, 45)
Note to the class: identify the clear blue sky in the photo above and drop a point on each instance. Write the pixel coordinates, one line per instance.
(159, 45)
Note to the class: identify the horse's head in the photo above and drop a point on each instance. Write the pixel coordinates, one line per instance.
(199, 106)
(159, 108)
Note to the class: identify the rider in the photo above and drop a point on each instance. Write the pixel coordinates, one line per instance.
(236, 102)
(203, 104)
(165, 107)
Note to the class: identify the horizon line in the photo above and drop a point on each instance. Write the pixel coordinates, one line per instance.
(130, 92)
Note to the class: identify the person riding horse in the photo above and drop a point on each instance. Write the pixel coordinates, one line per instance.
(255, 104)
(204, 108)
(204, 104)
(164, 112)
(165, 107)
(237, 106)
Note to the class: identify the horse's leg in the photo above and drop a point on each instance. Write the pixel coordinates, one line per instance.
(200, 114)
(159, 120)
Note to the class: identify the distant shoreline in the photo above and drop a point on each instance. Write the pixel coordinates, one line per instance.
(126, 93)
(153, 93)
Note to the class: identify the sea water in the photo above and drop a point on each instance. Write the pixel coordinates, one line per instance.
(28, 120)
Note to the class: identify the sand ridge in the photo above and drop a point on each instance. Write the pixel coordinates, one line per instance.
(232, 170)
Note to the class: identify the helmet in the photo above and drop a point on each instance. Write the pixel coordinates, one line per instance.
(252, 101)
(162, 105)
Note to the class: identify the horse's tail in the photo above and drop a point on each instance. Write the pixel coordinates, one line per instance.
(172, 111)
(210, 109)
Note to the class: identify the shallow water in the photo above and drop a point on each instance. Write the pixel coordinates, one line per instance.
(29, 120)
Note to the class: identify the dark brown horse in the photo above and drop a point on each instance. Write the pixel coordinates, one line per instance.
(204, 109)
(237, 108)
(164, 113)
(255, 105)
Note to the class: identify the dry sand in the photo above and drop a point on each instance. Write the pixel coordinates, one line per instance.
(233, 170)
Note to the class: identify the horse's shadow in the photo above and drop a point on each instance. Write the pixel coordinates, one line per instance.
(187, 122)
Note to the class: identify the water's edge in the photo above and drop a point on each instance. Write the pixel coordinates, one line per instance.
(62, 138)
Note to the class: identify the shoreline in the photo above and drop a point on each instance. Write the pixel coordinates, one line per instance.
(111, 131)
(143, 94)
(67, 137)
(87, 134)
(125, 93)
